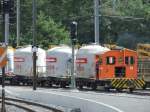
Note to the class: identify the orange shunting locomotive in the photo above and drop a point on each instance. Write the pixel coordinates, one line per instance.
(120, 67)
(117, 64)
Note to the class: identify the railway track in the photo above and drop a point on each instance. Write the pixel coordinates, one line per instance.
(140, 92)
(29, 106)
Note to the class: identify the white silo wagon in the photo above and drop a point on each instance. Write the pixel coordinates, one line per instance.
(86, 65)
(23, 64)
(10, 63)
(58, 62)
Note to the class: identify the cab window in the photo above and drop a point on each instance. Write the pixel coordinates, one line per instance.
(110, 60)
(126, 60)
(129, 60)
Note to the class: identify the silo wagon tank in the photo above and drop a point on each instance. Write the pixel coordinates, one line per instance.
(58, 65)
(86, 64)
(23, 64)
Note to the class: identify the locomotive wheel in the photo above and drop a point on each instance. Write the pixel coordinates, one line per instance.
(119, 89)
(50, 84)
(144, 87)
(131, 90)
(62, 85)
(80, 86)
(46, 83)
(107, 89)
(42, 84)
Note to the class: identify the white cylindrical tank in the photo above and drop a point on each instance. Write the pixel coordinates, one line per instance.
(58, 61)
(10, 62)
(23, 61)
(85, 60)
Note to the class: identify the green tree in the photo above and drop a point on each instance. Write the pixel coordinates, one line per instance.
(49, 31)
(129, 16)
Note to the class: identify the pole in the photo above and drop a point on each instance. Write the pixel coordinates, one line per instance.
(96, 20)
(73, 35)
(34, 70)
(3, 109)
(34, 42)
(73, 85)
(18, 22)
(6, 28)
(114, 6)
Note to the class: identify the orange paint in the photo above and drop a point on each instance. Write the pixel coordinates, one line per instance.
(3, 62)
(117, 64)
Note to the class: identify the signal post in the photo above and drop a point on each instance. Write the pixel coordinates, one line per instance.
(34, 47)
(7, 7)
(73, 35)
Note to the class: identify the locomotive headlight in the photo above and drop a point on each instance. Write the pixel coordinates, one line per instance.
(131, 67)
(101, 68)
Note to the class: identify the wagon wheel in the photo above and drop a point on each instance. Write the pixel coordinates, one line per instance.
(63, 85)
(50, 84)
(80, 86)
(107, 88)
(94, 86)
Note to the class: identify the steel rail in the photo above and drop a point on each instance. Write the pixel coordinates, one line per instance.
(20, 107)
(29, 103)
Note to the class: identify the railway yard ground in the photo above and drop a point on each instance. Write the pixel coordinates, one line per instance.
(68, 100)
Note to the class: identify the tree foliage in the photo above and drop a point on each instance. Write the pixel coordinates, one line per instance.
(125, 18)
(50, 32)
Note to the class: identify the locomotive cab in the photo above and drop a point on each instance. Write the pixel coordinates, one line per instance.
(118, 64)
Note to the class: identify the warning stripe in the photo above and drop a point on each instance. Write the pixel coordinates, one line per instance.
(117, 81)
(3, 56)
(114, 82)
(139, 83)
(119, 85)
(142, 81)
(136, 84)
(126, 83)
(123, 84)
